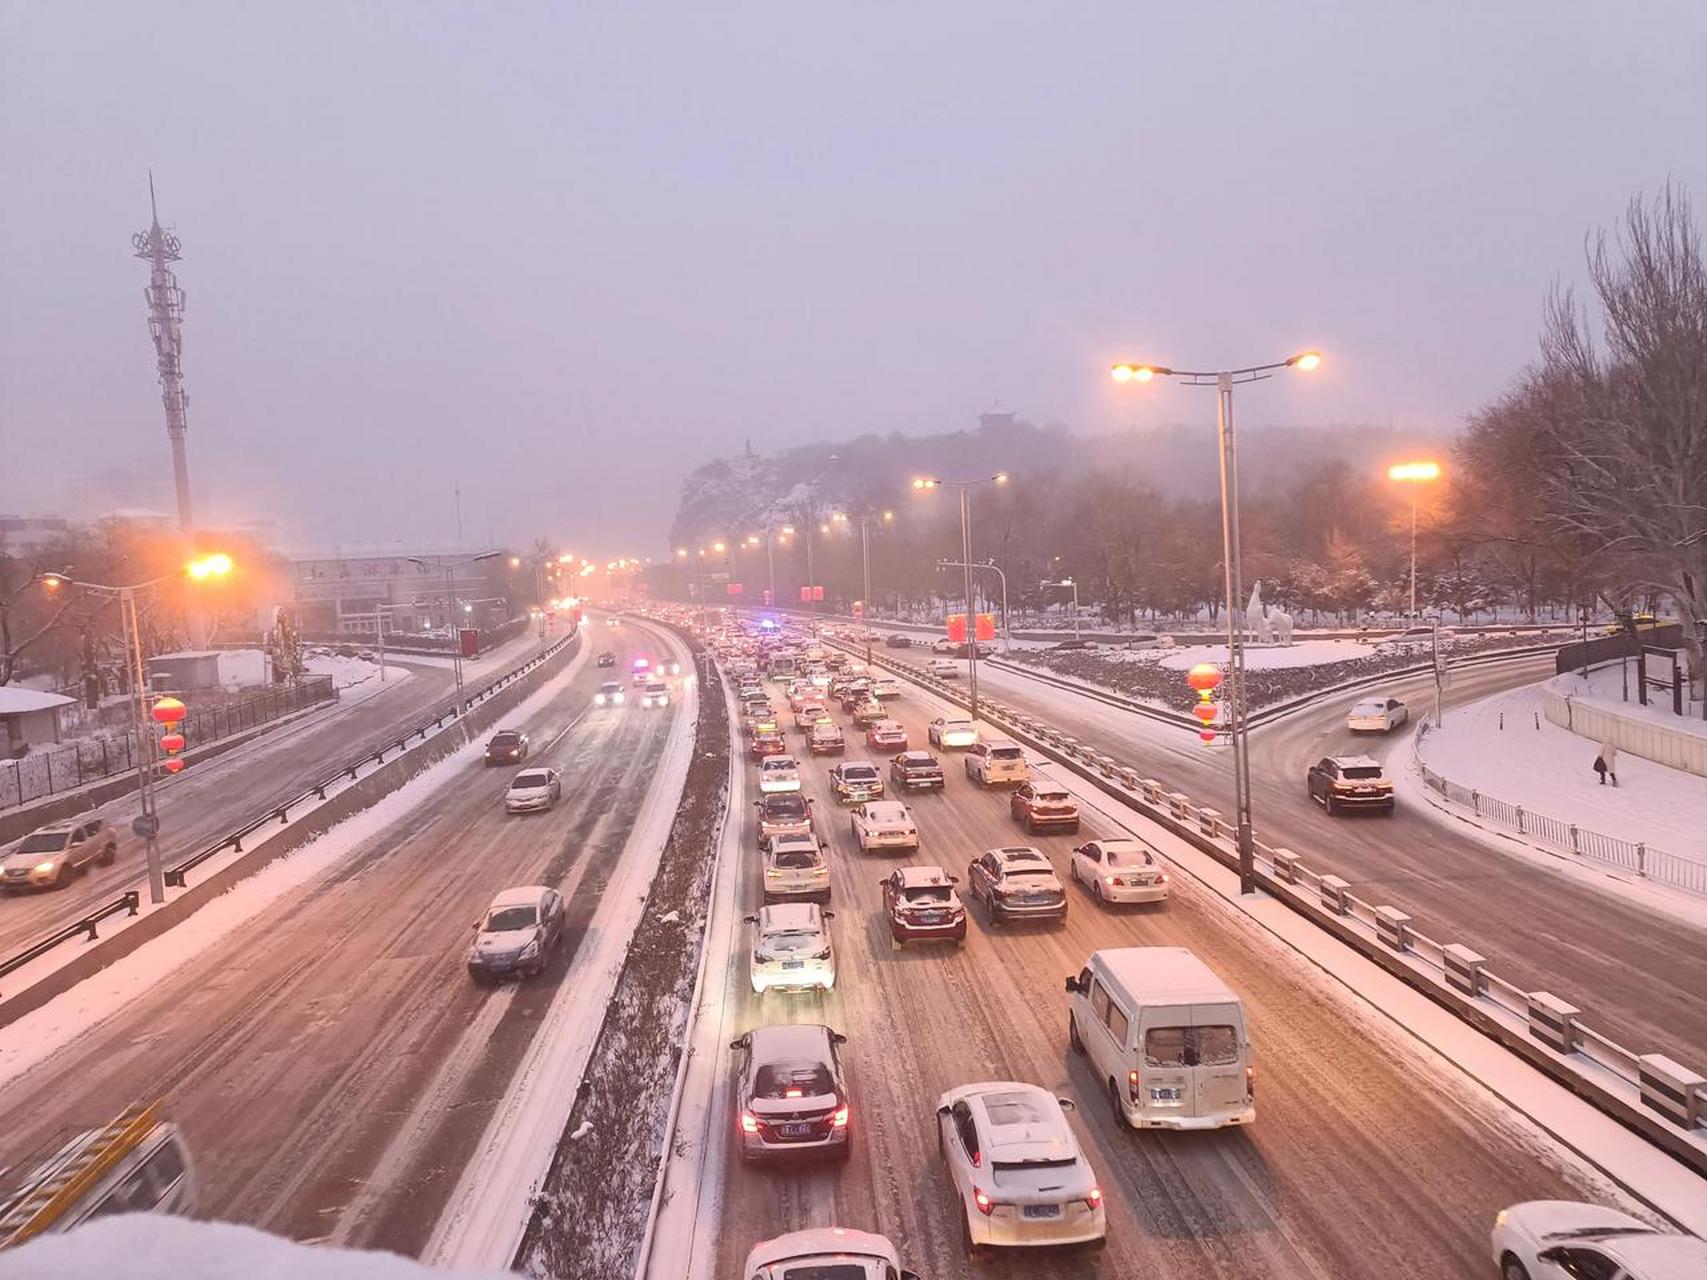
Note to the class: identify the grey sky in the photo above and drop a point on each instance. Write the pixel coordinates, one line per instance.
(569, 251)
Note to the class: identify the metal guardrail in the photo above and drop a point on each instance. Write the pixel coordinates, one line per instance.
(1567, 837)
(177, 876)
(1665, 1089)
(50, 772)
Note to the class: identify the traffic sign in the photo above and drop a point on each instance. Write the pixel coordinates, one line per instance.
(145, 825)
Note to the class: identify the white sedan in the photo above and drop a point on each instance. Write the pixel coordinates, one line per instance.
(826, 1251)
(947, 733)
(532, 790)
(884, 825)
(1377, 715)
(1120, 869)
(779, 773)
(1016, 1167)
(1567, 1240)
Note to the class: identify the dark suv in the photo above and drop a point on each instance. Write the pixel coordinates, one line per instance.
(1350, 782)
(507, 746)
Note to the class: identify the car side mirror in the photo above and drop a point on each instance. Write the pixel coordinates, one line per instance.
(829, 915)
(758, 804)
(739, 1044)
(836, 1037)
(954, 879)
(748, 919)
(1555, 1254)
(475, 926)
(943, 1111)
(1073, 983)
(1067, 1104)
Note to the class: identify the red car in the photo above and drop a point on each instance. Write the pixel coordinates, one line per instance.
(921, 905)
(767, 744)
(1040, 805)
(886, 735)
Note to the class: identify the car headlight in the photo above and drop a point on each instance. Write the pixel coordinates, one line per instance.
(599, 699)
(49, 865)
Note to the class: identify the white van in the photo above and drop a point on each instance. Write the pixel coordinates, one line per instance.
(1166, 1037)
(994, 762)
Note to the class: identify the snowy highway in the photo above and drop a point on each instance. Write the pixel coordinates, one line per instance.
(330, 1061)
(1369, 1154)
(1634, 972)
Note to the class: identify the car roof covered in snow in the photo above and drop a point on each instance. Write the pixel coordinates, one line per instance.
(527, 895)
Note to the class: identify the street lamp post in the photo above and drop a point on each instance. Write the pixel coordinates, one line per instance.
(453, 622)
(147, 824)
(1224, 380)
(1414, 473)
(966, 487)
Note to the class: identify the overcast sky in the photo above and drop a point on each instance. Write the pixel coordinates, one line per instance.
(565, 252)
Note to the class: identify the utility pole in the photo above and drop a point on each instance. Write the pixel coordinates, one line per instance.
(159, 248)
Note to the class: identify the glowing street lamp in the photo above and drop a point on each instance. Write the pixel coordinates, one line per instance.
(1414, 473)
(1224, 380)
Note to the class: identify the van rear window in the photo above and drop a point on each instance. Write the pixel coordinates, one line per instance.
(1210, 1046)
(1006, 753)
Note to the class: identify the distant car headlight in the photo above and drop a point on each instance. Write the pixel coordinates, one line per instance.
(599, 699)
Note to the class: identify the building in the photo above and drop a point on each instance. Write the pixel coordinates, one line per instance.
(29, 718)
(20, 535)
(340, 589)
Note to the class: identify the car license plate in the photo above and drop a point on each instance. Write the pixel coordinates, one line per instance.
(931, 917)
(1042, 1210)
(794, 964)
(1164, 1095)
(801, 1130)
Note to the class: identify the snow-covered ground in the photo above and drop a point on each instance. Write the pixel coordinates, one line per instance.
(1605, 686)
(347, 672)
(1300, 653)
(1505, 747)
(147, 1246)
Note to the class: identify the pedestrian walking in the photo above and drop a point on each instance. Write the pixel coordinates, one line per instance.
(1606, 763)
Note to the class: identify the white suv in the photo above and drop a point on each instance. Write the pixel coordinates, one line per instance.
(996, 762)
(1016, 1166)
(884, 825)
(794, 869)
(792, 949)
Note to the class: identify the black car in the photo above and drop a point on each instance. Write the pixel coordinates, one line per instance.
(507, 746)
(607, 659)
(899, 642)
(916, 771)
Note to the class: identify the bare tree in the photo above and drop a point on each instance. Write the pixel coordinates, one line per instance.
(1627, 428)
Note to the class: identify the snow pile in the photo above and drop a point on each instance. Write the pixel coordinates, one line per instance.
(242, 668)
(1496, 747)
(1305, 653)
(346, 672)
(145, 1246)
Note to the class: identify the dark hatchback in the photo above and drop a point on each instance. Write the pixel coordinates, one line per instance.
(507, 746)
(917, 771)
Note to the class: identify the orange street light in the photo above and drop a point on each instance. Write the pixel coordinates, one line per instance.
(1414, 473)
(214, 566)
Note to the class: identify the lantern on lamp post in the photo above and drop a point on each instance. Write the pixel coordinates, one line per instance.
(1205, 678)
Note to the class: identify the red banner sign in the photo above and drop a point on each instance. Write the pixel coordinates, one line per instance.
(957, 628)
(986, 626)
(817, 593)
(734, 588)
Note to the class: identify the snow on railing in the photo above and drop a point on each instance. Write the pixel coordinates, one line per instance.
(1638, 856)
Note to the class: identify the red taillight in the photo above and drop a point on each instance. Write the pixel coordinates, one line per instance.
(1093, 1200)
(1250, 1082)
(1161, 877)
(986, 1206)
(1132, 1085)
(749, 1123)
(840, 1119)
(1112, 880)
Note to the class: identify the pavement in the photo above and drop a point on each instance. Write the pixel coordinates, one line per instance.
(1369, 1156)
(334, 1067)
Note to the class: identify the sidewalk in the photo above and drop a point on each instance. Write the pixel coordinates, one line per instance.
(1495, 747)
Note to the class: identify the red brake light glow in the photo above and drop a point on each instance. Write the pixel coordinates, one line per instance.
(840, 1118)
(749, 1124)
(1094, 1198)
(985, 1205)
(1132, 1085)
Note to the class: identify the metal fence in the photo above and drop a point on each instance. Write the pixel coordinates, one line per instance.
(65, 768)
(1567, 837)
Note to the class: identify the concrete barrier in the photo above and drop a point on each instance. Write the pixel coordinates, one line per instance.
(1671, 1089)
(1285, 865)
(1675, 748)
(1464, 969)
(1333, 893)
(1393, 928)
(1553, 1022)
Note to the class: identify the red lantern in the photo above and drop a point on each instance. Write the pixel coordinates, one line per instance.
(172, 765)
(1204, 676)
(1208, 735)
(1206, 712)
(167, 710)
(172, 743)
